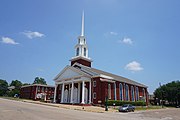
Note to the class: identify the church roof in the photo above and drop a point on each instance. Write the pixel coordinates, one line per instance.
(99, 73)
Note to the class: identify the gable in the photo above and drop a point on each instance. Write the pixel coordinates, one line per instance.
(67, 73)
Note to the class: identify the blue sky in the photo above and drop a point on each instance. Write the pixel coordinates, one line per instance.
(136, 39)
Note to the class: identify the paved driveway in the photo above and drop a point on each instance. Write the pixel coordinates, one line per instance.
(16, 110)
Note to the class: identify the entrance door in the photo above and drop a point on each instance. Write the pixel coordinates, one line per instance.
(86, 95)
(75, 95)
(65, 100)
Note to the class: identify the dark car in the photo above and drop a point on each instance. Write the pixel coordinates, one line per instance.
(126, 108)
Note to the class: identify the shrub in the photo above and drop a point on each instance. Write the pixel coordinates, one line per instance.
(120, 103)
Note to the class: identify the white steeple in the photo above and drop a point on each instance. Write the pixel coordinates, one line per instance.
(82, 30)
(81, 48)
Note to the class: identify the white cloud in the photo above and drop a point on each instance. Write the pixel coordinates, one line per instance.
(8, 40)
(32, 35)
(126, 41)
(134, 66)
(113, 33)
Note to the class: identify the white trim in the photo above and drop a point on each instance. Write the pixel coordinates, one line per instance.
(122, 99)
(133, 93)
(73, 69)
(86, 79)
(107, 80)
(104, 76)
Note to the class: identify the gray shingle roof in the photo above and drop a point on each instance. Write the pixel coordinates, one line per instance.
(96, 72)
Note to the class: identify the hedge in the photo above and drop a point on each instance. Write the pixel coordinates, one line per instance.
(120, 103)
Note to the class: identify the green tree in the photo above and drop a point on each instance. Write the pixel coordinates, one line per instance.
(25, 84)
(17, 84)
(169, 92)
(3, 87)
(39, 80)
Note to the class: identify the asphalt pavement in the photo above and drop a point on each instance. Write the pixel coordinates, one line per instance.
(18, 110)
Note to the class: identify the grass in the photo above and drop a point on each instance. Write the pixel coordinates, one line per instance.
(139, 108)
(148, 108)
(12, 98)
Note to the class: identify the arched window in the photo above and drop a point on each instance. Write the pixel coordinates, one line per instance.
(84, 41)
(121, 91)
(127, 92)
(144, 94)
(85, 52)
(77, 52)
(132, 93)
(137, 94)
(109, 91)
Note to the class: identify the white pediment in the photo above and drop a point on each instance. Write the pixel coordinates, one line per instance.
(67, 73)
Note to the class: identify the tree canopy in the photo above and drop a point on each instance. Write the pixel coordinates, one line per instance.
(17, 84)
(169, 92)
(3, 87)
(39, 80)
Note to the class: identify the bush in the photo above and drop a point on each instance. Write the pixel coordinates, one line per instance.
(120, 103)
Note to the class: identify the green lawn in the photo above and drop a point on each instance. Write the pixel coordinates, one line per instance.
(148, 108)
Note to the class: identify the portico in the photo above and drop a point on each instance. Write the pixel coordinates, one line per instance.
(74, 90)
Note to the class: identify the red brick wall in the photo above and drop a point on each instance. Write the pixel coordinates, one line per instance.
(81, 61)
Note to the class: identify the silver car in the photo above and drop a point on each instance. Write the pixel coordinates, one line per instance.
(126, 108)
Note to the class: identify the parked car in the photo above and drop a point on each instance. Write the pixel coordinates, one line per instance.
(126, 108)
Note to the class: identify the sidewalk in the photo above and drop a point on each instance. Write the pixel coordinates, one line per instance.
(73, 107)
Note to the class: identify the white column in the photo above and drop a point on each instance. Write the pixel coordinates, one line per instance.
(55, 93)
(79, 87)
(82, 101)
(62, 93)
(72, 89)
(90, 92)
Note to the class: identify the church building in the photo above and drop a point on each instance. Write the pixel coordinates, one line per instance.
(80, 83)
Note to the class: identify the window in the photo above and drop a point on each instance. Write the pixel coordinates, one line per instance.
(121, 91)
(77, 52)
(109, 91)
(38, 88)
(132, 93)
(46, 89)
(144, 94)
(85, 52)
(94, 95)
(137, 94)
(79, 41)
(42, 89)
(94, 83)
(127, 92)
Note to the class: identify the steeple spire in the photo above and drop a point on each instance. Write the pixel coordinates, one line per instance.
(81, 49)
(82, 30)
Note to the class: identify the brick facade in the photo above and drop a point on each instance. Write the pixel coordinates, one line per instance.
(31, 91)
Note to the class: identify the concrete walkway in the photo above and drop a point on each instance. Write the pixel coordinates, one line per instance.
(74, 107)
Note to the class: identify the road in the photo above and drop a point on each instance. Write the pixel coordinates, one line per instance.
(17, 110)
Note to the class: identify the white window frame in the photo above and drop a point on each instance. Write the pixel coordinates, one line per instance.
(109, 91)
(94, 95)
(94, 83)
